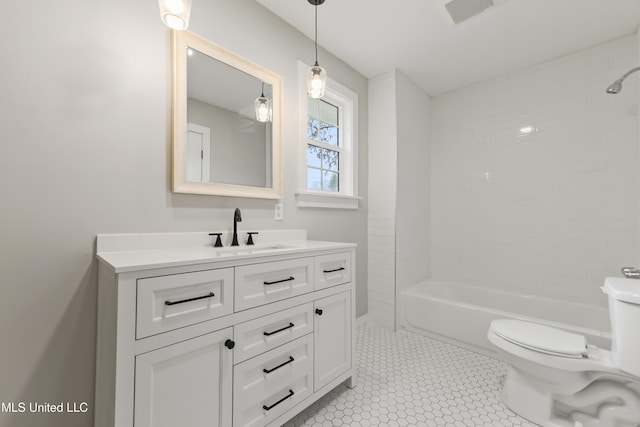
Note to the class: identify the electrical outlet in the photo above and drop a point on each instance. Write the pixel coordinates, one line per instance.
(278, 212)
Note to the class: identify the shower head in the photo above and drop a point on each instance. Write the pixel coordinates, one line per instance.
(616, 86)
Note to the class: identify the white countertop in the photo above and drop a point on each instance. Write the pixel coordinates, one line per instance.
(132, 252)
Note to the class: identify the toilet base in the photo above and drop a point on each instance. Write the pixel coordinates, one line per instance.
(603, 403)
(525, 399)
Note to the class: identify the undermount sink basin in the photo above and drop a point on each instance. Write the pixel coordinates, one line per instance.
(246, 250)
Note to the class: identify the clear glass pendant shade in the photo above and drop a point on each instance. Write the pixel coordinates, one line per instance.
(175, 13)
(316, 81)
(263, 109)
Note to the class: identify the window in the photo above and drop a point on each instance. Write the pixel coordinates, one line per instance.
(323, 146)
(328, 168)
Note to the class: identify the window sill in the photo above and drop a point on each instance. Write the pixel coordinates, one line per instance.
(305, 199)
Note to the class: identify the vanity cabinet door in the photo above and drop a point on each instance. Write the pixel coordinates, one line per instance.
(185, 384)
(332, 335)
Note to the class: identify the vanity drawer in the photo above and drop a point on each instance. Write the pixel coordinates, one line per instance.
(170, 302)
(259, 284)
(331, 270)
(258, 396)
(268, 332)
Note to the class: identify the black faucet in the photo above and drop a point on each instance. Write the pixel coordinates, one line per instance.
(236, 219)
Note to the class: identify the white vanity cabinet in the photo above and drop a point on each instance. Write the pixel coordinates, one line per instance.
(214, 337)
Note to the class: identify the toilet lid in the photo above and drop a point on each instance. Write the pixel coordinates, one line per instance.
(541, 338)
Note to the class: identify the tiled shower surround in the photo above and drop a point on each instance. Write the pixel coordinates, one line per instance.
(405, 379)
(531, 181)
(534, 177)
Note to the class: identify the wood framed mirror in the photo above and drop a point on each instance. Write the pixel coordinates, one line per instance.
(219, 146)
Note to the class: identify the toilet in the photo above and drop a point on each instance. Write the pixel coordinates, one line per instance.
(557, 379)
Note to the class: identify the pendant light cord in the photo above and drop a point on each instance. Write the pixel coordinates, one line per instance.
(316, 34)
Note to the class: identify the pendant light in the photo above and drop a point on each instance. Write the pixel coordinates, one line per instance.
(263, 107)
(175, 13)
(317, 78)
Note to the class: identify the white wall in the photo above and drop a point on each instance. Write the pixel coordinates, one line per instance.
(398, 204)
(85, 117)
(550, 213)
(637, 260)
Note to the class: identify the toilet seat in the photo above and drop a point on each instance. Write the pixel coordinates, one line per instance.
(541, 338)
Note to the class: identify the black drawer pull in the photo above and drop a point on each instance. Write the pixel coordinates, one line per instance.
(291, 325)
(334, 270)
(211, 294)
(268, 371)
(268, 408)
(280, 281)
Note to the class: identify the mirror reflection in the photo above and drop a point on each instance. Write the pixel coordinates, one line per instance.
(225, 141)
(226, 122)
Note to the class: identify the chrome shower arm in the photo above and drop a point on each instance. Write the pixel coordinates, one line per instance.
(616, 86)
(628, 73)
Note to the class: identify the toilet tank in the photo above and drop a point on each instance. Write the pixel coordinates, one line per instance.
(624, 311)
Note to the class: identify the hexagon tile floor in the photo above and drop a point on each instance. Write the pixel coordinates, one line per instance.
(406, 379)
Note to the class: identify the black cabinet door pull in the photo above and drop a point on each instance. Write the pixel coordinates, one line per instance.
(229, 344)
(211, 294)
(291, 325)
(268, 371)
(319, 311)
(268, 408)
(280, 281)
(331, 271)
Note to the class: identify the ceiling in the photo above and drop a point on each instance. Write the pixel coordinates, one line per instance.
(419, 38)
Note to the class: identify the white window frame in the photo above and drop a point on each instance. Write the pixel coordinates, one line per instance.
(347, 102)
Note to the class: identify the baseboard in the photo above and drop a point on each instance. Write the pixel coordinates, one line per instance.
(362, 320)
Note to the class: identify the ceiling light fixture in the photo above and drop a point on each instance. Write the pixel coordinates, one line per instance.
(317, 79)
(263, 108)
(175, 13)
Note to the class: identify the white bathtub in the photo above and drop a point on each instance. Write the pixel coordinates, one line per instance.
(461, 313)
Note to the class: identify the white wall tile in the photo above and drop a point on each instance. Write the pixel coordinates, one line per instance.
(398, 220)
(552, 212)
(382, 201)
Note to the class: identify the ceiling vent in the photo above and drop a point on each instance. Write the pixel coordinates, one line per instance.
(461, 10)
